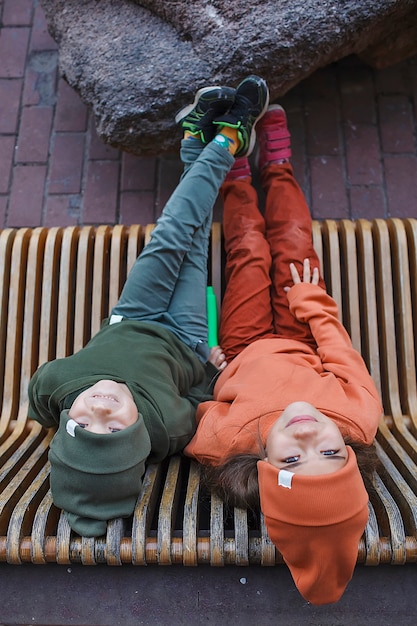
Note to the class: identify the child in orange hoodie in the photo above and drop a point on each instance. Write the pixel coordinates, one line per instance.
(295, 393)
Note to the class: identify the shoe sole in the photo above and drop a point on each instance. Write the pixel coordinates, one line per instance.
(187, 109)
(275, 107)
(252, 140)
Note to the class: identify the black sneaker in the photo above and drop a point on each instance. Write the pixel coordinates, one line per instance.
(209, 102)
(251, 102)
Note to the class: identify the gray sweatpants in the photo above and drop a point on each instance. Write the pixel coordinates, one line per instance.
(167, 284)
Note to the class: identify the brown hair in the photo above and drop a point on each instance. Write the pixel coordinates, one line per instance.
(236, 480)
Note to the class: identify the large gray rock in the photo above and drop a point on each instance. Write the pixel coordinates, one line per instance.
(136, 63)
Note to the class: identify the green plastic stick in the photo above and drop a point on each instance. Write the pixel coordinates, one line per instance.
(212, 317)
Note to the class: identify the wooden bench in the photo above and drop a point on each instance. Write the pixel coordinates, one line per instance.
(58, 283)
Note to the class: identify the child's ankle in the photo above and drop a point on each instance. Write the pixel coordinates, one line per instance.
(189, 135)
(228, 138)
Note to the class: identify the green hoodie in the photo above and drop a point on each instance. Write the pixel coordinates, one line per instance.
(165, 377)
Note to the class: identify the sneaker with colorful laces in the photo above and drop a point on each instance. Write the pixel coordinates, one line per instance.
(251, 102)
(209, 103)
(274, 139)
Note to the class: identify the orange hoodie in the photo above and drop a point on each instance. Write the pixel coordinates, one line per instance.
(254, 389)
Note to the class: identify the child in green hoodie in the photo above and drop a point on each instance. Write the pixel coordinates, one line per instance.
(129, 396)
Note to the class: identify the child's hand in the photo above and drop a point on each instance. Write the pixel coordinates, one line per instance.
(308, 275)
(217, 357)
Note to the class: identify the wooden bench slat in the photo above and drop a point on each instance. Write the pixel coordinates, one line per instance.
(143, 514)
(217, 542)
(99, 305)
(49, 296)
(368, 313)
(84, 239)
(65, 304)
(370, 546)
(393, 526)
(191, 516)
(44, 524)
(168, 510)
(404, 495)
(14, 330)
(241, 548)
(404, 314)
(350, 282)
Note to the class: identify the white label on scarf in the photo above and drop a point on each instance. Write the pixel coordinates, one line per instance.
(115, 319)
(285, 478)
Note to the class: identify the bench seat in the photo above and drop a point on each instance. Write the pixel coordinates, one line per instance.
(57, 284)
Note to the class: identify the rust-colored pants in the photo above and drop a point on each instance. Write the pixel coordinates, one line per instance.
(259, 250)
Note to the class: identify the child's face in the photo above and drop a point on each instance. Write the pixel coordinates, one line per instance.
(305, 441)
(106, 407)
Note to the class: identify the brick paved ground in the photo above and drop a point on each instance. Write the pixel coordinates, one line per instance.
(354, 141)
